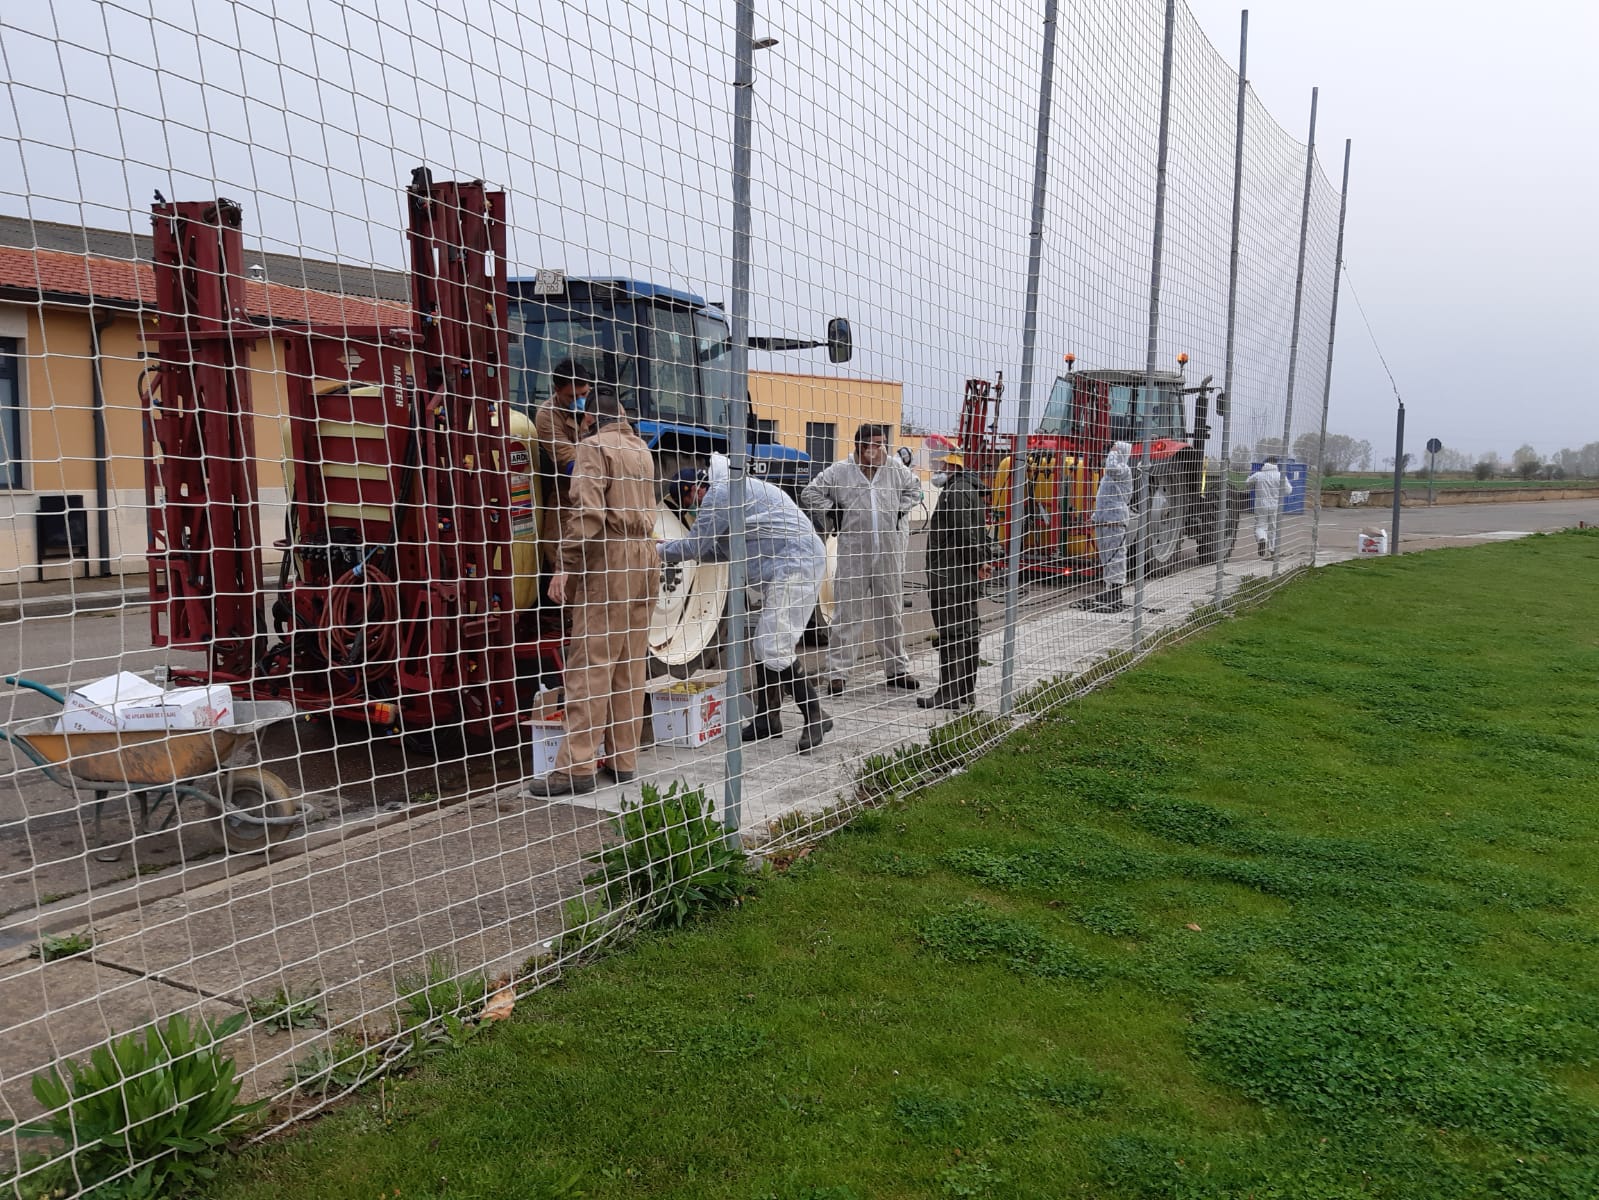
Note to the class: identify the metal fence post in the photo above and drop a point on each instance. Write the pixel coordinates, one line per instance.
(1018, 472)
(1332, 329)
(738, 316)
(1299, 296)
(1224, 482)
(1399, 474)
(1154, 324)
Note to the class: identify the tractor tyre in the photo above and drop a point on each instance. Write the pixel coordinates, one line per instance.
(1158, 530)
(1215, 541)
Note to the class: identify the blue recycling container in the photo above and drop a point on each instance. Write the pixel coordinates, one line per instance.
(1298, 474)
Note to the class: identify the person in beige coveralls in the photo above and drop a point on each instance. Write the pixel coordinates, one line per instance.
(560, 423)
(608, 577)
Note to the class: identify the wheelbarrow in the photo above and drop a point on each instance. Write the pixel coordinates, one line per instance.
(160, 768)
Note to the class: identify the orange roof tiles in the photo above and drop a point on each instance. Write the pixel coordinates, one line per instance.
(112, 279)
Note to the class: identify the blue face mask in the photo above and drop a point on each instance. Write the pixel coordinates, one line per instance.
(580, 404)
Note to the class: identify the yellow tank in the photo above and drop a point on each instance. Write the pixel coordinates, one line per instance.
(525, 508)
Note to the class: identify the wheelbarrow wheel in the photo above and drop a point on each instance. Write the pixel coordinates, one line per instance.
(257, 793)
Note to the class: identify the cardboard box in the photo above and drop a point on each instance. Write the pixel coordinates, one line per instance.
(92, 708)
(182, 708)
(689, 712)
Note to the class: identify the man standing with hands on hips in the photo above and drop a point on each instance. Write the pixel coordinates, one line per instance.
(608, 577)
(870, 495)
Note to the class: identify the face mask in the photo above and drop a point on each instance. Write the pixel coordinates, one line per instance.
(687, 515)
(940, 479)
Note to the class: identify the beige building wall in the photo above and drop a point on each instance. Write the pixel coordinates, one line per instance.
(806, 408)
(56, 387)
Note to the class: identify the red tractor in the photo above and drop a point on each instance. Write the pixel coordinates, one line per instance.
(1086, 412)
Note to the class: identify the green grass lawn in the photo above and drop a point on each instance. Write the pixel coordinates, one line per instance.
(1304, 908)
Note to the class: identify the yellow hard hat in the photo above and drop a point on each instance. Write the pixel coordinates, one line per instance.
(953, 458)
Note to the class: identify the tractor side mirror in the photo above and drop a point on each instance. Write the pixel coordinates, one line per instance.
(1222, 404)
(840, 341)
(905, 455)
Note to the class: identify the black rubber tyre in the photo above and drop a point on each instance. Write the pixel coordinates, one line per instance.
(1215, 542)
(257, 792)
(1158, 533)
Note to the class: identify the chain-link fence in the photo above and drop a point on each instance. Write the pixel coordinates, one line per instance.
(446, 441)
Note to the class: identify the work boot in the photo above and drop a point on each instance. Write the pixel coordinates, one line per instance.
(1260, 548)
(817, 723)
(835, 687)
(559, 783)
(904, 682)
(1108, 601)
(768, 697)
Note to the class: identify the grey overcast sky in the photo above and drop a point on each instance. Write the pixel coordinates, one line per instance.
(1474, 188)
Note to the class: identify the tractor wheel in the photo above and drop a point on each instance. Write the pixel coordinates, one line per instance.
(1215, 542)
(1159, 529)
(257, 793)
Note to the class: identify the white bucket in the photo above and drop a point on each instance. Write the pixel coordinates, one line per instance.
(1372, 541)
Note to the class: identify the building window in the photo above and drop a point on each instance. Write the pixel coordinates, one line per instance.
(11, 453)
(821, 442)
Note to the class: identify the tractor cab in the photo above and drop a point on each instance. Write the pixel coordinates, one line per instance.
(1098, 407)
(668, 354)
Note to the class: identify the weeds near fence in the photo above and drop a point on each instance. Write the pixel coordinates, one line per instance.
(948, 748)
(285, 1010)
(438, 990)
(672, 860)
(53, 946)
(163, 1102)
(334, 1067)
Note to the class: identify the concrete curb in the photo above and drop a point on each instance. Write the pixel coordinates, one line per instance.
(72, 604)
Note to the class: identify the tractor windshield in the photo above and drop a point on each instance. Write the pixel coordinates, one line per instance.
(1070, 410)
(1059, 416)
(669, 363)
(603, 339)
(1137, 411)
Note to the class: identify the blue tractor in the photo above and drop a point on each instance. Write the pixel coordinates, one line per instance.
(667, 354)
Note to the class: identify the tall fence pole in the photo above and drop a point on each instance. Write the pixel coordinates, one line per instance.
(1018, 474)
(1223, 481)
(738, 316)
(1399, 475)
(1299, 297)
(1332, 329)
(1157, 243)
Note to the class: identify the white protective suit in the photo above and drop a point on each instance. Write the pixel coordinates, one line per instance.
(873, 537)
(1271, 487)
(786, 559)
(1112, 513)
